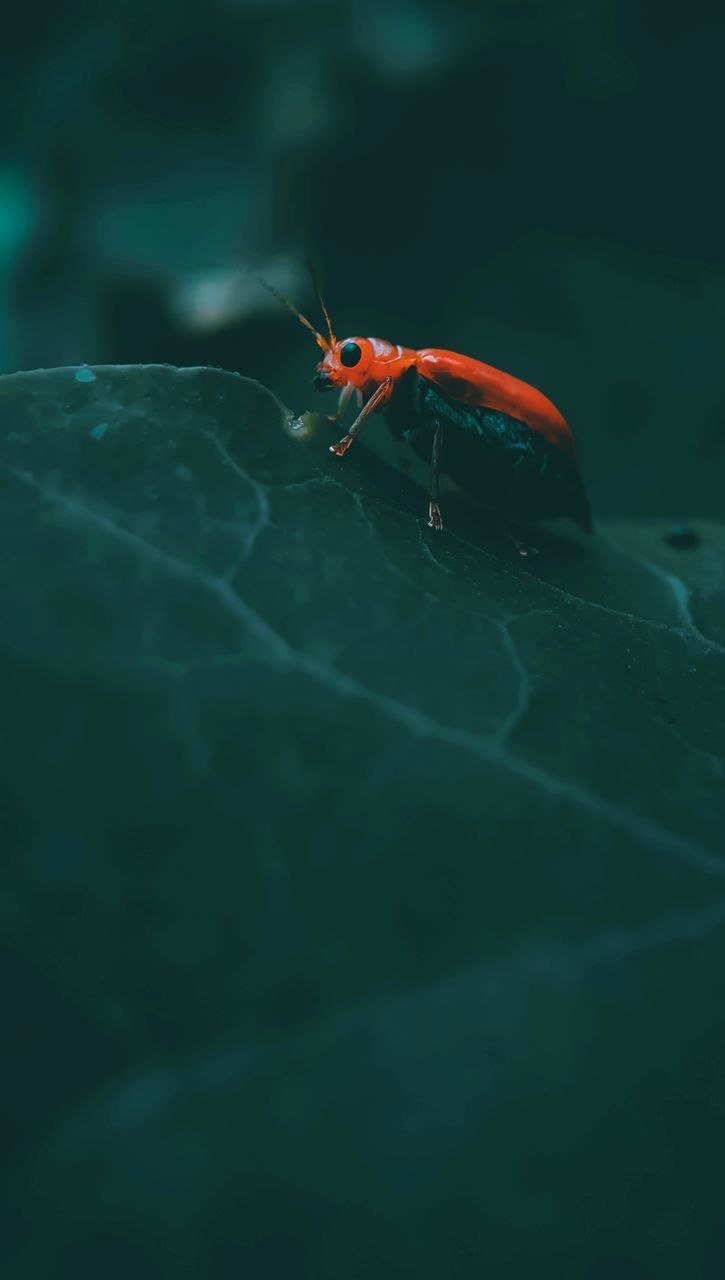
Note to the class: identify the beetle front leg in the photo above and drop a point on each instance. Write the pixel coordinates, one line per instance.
(434, 513)
(378, 399)
(342, 402)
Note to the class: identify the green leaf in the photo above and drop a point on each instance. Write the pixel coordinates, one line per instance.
(363, 888)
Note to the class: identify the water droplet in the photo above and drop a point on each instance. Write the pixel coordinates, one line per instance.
(84, 374)
(303, 426)
(97, 433)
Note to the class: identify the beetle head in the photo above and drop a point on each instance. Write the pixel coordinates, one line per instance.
(344, 362)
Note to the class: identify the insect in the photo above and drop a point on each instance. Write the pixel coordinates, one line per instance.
(498, 438)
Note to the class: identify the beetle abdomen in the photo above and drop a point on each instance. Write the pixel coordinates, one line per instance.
(467, 381)
(492, 456)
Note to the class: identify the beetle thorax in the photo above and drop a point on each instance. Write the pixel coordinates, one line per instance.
(387, 359)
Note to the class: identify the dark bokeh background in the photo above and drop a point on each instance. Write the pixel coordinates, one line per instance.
(538, 185)
(416, 925)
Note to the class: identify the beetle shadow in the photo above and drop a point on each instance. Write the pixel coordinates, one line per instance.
(578, 566)
(533, 545)
(555, 547)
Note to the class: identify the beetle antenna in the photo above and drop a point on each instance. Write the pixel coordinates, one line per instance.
(316, 286)
(321, 342)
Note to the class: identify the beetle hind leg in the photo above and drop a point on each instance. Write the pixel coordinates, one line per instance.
(521, 548)
(434, 516)
(434, 511)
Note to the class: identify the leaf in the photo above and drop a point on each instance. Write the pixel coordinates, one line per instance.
(363, 888)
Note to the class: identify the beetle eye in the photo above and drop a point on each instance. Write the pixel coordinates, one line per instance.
(350, 354)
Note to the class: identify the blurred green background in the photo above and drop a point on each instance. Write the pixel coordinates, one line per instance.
(403, 953)
(536, 185)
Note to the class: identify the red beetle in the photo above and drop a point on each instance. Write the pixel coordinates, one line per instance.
(498, 438)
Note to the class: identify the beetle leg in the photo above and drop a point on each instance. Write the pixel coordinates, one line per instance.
(521, 548)
(434, 514)
(378, 399)
(342, 402)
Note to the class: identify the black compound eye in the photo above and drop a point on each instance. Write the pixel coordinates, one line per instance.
(350, 354)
